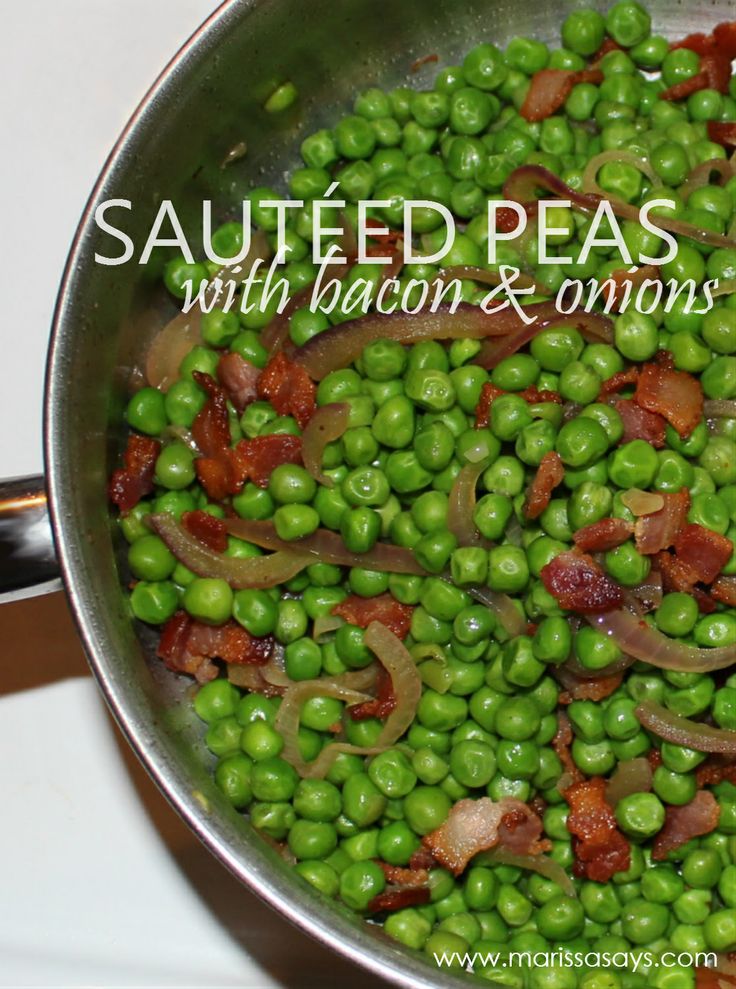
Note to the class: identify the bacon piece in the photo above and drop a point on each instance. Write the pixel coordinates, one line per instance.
(724, 36)
(561, 743)
(640, 424)
(382, 704)
(591, 690)
(399, 897)
(724, 590)
(678, 576)
(579, 584)
(476, 825)
(713, 978)
(722, 133)
(208, 529)
(423, 60)
(189, 646)
(259, 457)
(657, 530)
(599, 847)
(622, 276)
(681, 90)
(654, 758)
(506, 219)
(383, 608)
(533, 395)
(422, 858)
(288, 387)
(608, 45)
(681, 824)
(715, 770)
(488, 394)
(701, 44)
(676, 395)
(717, 68)
(618, 381)
(399, 876)
(703, 551)
(599, 537)
(520, 831)
(550, 88)
(132, 482)
(550, 473)
(238, 377)
(217, 468)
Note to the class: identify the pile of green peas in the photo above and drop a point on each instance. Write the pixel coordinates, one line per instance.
(489, 706)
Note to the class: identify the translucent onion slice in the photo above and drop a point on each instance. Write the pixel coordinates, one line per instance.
(524, 181)
(502, 606)
(327, 424)
(405, 680)
(701, 175)
(620, 156)
(642, 502)
(473, 273)
(542, 864)
(324, 624)
(252, 572)
(461, 506)
(727, 286)
(719, 408)
(638, 640)
(172, 343)
(341, 345)
(682, 731)
(327, 547)
(594, 327)
(631, 776)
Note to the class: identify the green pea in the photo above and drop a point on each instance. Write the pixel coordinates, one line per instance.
(640, 815)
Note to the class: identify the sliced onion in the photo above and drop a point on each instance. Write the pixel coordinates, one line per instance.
(642, 502)
(631, 776)
(620, 156)
(646, 596)
(405, 680)
(524, 181)
(682, 731)
(637, 639)
(328, 423)
(542, 864)
(701, 175)
(502, 606)
(473, 273)
(725, 287)
(594, 327)
(172, 343)
(461, 505)
(324, 624)
(248, 676)
(720, 408)
(252, 572)
(274, 672)
(341, 345)
(580, 672)
(287, 724)
(327, 547)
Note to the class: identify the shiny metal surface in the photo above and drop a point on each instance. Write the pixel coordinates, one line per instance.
(27, 558)
(207, 101)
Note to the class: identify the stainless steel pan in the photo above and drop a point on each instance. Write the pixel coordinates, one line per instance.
(208, 100)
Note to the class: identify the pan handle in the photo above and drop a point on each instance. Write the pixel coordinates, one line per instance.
(28, 563)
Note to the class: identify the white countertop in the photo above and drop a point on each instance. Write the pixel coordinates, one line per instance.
(101, 883)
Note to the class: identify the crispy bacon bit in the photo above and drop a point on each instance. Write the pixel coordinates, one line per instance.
(599, 537)
(288, 387)
(550, 473)
(488, 394)
(399, 897)
(724, 590)
(717, 68)
(132, 482)
(622, 276)
(382, 704)
(703, 551)
(550, 88)
(599, 847)
(561, 744)
(618, 381)
(506, 219)
(423, 60)
(189, 646)
(676, 395)
(399, 876)
(681, 90)
(640, 424)
(701, 44)
(609, 45)
(534, 396)
(678, 576)
(724, 36)
(207, 529)
(715, 770)
(238, 377)
(217, 468)
(476, 825)
(722, 133)
(591, 690)
(713, 978)
(384, 609)
(654, 758)
(658, 530)
(520, 831)
(422, 858)
(579, 584)
(259, 457)
(681, 824)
